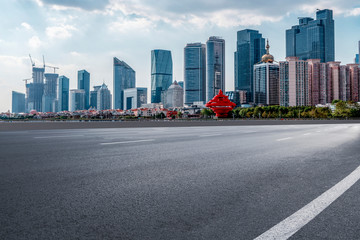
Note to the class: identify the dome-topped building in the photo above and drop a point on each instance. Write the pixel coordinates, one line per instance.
(267, 58)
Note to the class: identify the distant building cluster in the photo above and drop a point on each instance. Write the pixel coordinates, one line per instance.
(309, 76)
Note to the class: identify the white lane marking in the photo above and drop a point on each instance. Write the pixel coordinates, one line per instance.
(289, 226)
(318, 131)
(136, 141)
(284, 139)
(307, 134)
(67, 136)
(210, 135)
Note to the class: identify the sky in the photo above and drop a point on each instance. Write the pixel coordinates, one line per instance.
(87, 34)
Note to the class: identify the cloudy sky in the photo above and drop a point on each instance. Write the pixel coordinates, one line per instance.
(87, 34)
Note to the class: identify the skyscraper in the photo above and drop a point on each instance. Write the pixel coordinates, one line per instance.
(357, 57)
(63, 94)
(312, 39)
(77, 99)
(35, 90)
(18, 102)
(174, 96)
(84, 83)
(103, 98)
(161, 73)
(124, 78)
(250, 47)
(215, 66)
(194, 73)
(50, 88)
(93, 97)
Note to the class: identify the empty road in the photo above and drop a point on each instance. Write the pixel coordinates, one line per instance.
(219, 182)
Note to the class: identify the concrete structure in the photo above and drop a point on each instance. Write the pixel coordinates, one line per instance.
(174, 96)
(250, 47)
(312, 39)
(35, 90)
(77, 99)
(50, 92)
(134, 98)
(63, 94)
(93, 97)
(161, 73)
(103, 98)
(84, 83)
(215, 66)
(194, 73)
(18, 102)
(124, 78)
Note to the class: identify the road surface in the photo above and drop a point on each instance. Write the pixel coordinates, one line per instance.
(230, 182)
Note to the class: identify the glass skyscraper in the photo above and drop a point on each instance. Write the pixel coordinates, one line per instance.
(124, 78)
(35, 90)
(250, 47)
(63, 94)
(77, 99)
(50, 88)
(194, 73)
(84, 83)
(103, 98)
(18, 102)
(312, 39)
(161, 73)
(215, 66)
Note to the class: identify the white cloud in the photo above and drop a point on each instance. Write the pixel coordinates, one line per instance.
(60, 32)
(35, 42)
(124, 25)
(26, 26)
(354, 12)
(75, 54)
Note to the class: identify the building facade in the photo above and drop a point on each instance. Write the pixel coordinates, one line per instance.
(124, 78)
(84, 83)
(174, 96)
(215, 67)
(312, 39)
(35, 90)
(250, 47)
(103, 98)
(93, 97)
(134, 98)
(50, 91)
(63, 93)
(77, 99)
(194, 73)
(161, 73)
(18, 102)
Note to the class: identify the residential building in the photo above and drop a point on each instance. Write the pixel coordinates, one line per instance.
(77, 99)
(161, 73)
(250, 47)
(124, 78)
(134, 98)
(84, 83)
(63, 94)
(103, 98)
(312, 39)
(18, 102)
(194, 73)
(215, 67)
(174, 96)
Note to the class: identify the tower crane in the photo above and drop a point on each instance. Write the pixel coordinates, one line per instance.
(26, 80)
(49, 66)
(32, 63)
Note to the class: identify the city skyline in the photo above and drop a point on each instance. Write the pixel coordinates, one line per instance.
(61, 44)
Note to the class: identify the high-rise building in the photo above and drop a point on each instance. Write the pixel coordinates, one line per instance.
(357, 56)
(266, 81)
(134, 97)
(84, 83)
(93, 97)
(250, 47)
(103, 98)
(63, 94)
(181, 84)
(194, 73)
(215, 67)
(50, 89)
(174, 96)
(35, 90)
(312, 39)
(124, 78)
(77, 99)
(161, 73)
(18, 102)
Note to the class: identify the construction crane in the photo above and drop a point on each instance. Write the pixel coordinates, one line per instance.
(32, 63)
(26, 80)
(49, 66)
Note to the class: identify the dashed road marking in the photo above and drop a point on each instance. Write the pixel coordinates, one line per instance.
(136, 141)
(65, 136)
(284, 139)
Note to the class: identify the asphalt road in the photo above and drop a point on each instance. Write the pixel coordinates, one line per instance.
(230, 182)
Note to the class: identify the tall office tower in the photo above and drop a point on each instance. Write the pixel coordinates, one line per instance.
(77, 99)
(103, 98)
(266, 81)
(124, 78)
(50, 88)
(293, 82)
(250, 47)
(35, 90)
(134, 97)
(63, 94)
(215, 67)
(181, 84)
(174, 96)
(312, 39)
(18, 102)
(357, 57)
(93, 97)
(194, 73)
(84, 83)
(161, 73)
